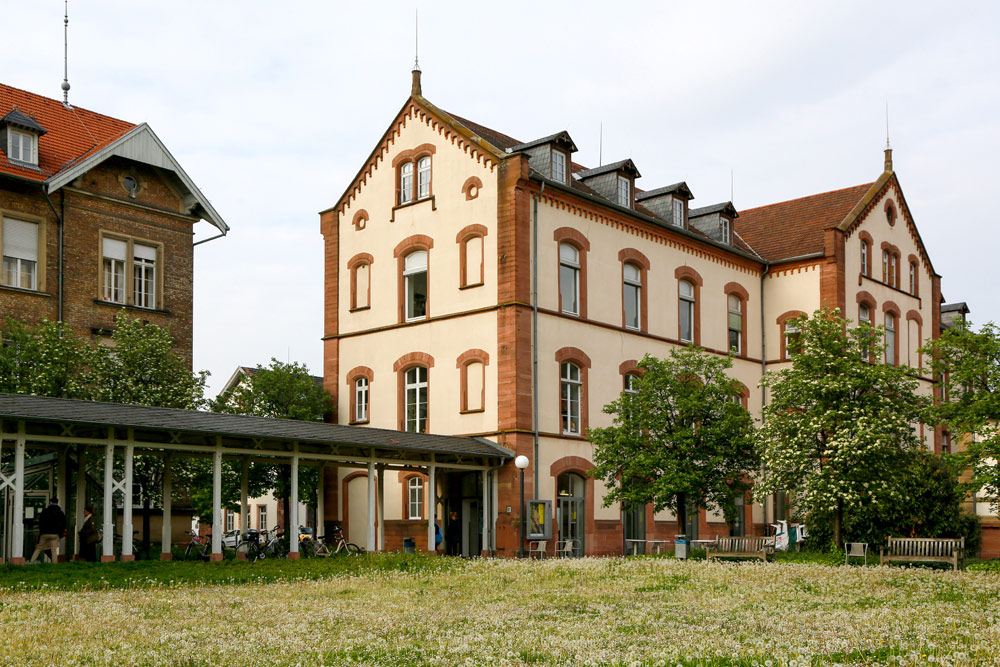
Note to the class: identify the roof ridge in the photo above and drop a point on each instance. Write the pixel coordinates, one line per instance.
(71, 106)
(818, 194)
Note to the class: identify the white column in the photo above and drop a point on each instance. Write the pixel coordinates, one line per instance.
(166, 531)
(244, 494)
(81, 493)
(380, 506)
(485, 512)
(320, 501)
(293, 523)
(431, 507)
(370, 544)
(17, 547)
(108, 544)
(62, 491)
(217, 501)
(127, 503)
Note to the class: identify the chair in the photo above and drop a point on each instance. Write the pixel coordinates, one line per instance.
(537, 547)
(855, 550)
(567, 549)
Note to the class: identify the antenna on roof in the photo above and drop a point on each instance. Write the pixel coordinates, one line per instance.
(887, 145)
(600, 147)
(730, 186)
(415, 88)
(65, 83)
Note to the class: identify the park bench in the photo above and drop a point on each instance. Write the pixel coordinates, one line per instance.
(740, 547)
(925, 550)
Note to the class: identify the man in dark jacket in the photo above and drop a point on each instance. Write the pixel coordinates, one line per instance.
(51, 527)
(89, 536)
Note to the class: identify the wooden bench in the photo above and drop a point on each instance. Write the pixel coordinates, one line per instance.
(740, 547)
(925, 550)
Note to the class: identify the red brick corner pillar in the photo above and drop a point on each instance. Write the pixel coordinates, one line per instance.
(16, 561)
(215, 558)
(166, 556)
(128, 559)
(108, 559)
(293, 555)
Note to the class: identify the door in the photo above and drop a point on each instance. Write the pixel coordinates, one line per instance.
(34, 503)
(357, 510)
(635, 528)
(471, 528)
(572, 512)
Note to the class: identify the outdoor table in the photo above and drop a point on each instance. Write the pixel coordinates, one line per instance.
(658, 546)
(634, 544)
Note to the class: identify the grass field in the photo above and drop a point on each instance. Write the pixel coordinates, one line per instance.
(419, 610)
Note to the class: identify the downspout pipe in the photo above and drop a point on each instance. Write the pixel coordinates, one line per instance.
(534, 336)
(59, 219)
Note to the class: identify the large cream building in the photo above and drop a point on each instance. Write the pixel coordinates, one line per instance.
(433, 256)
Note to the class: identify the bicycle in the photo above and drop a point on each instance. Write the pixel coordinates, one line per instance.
(350, 548)
(200, 546)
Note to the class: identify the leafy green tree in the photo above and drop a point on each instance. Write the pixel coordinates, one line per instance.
(837, 430)
(681, 439)
(282, 391)
(967, 363)
(45, 360)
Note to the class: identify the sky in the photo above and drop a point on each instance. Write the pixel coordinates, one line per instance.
(271, 108)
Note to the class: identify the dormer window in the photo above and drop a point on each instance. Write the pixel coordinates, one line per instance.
(22, 146)
(558, 166)
(678, 217)
(624, 191)
(725, 225)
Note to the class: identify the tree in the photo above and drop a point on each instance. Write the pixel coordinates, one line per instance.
(967, 364)
(45, 360)
(683, 438)
(281, 391)
(837, 430)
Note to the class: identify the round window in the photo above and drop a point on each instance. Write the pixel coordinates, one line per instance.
(131, 185)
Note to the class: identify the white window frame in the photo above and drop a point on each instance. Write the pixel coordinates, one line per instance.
(362, 395)
(724, 230)
(409, 273)
(913, 278)
(571, 398)
(738, 313)
(416, 381)
(230, 520)
(406, 183)
(16, 138)
(685, 309)
(143, 276)
(558, 168)
(113, 273)
(632, 284)
(415, 498)
(424, 177)
(678, 215)
(14, 268)
(865, 317)
(864, 258)
(262, 517)
(575, 267)
(790, 332)
(890, 339)
(629, 383)
(623, 191)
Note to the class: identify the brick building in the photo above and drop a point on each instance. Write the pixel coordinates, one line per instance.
(97, 216)
(451, 234)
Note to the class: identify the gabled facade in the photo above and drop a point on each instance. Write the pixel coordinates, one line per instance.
(97, 216)
(434, 255)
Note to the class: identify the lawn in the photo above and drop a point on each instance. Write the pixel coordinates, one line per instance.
(419, 610)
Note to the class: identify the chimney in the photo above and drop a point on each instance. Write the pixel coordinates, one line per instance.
(888, 157)
(415, 88)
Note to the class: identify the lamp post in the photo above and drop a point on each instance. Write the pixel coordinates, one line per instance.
(521, 462)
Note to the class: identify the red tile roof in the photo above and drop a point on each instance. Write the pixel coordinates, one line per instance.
(72, 133)
(795, 228)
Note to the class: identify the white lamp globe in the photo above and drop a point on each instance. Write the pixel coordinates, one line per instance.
(521, 462)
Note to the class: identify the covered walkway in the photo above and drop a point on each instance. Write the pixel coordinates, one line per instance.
(51, 425)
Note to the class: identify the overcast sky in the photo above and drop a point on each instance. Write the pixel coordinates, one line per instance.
(271, 107)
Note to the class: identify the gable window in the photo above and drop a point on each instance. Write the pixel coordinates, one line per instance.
(864, 258)
(113, 269)
(724, 226)
(624, 191)
(415, 397)
(22, 146)
(570, 398)
(361, 398)
(415, 496)
(406, 183)
(558, 166)
(415, 285)
(686, 300)
(569, 279)
(424, 177)
(890, 339)
(19, 243)
(678, 218)
(144, 275)
(735, 324)
(632, 295)
(893, 270)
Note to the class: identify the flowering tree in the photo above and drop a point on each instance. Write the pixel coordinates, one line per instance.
(967, 363)
(837, 430)
(681, 438)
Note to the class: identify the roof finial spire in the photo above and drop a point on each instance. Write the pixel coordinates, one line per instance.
(888, 146)
(65, 83)
(415, 88)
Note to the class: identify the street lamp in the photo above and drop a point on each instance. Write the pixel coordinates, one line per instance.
(521, 462)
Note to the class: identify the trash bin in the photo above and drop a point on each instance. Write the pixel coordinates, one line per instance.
(681, 547)
(409, 545)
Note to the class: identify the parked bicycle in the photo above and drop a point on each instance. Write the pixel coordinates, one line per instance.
(340, 543)
(200, 546)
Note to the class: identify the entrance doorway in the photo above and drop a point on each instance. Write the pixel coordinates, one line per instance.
(472, 533)
(572, 511)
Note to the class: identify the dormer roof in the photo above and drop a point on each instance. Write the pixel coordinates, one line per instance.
(626, 166)
(559, 138)
(677, 189)
(725, 208)
(18, 119)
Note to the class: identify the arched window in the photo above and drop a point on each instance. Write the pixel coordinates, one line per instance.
(415, 498)
(571, 494)
(686, 299)
(571, 398)
(424, 177)
(360, 268)
(630, 383)
(361, 398)
(632, 295)
(864, 317)
(569, 279)
(885, 266)
(735, 324)
(864, 258)
(415, 399)
(413, 169)
(914, 278)
(406, 183)
(890, 339)
(415, 288)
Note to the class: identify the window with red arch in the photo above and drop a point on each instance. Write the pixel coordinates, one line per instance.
(737, 300)
(471, 247)
(361, 280)
(573, 367)
(359, 381)
(572, 256)
(472, 365)
(413, 174)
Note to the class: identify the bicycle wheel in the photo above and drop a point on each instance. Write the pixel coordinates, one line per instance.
(188, 550)
(254, 552)
(352, 549)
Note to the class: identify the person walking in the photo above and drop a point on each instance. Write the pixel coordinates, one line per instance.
(89, 536)
(51, 527)
(454, 535)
